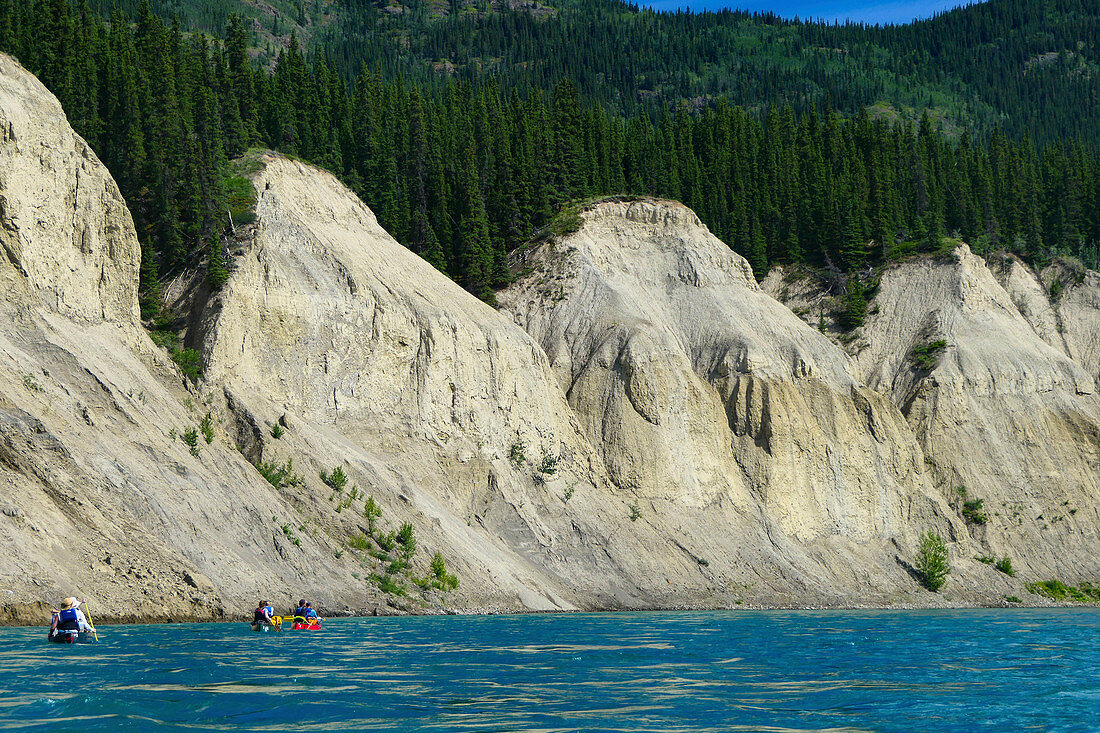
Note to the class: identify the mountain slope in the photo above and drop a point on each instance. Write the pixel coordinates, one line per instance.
(101, 496)
(989, 382)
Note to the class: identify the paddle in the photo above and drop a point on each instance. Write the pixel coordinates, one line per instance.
(91, 623)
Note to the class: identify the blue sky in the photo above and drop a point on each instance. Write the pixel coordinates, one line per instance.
(901, 11)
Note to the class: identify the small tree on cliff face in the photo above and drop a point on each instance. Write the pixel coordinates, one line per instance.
(933, 562)
(372, 512)
(853, 306)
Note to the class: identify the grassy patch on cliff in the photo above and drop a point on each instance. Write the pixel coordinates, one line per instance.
(237, 190)
(1056, 590)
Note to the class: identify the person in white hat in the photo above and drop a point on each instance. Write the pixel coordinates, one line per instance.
(68, 621)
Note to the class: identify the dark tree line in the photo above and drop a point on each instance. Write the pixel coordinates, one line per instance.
(464, 171)
(1030, 67)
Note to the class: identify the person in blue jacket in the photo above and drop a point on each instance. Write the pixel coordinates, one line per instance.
(69, 622)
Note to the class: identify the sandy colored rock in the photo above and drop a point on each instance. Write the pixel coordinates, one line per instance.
(1078, 310)
(711, 398)
(659, 433)
(1003, 411)
(433, 402)
(102, 498)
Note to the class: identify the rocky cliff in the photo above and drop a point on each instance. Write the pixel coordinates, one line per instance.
(996, 383)
(432, 403)
(720, 409)
(101, 496)
(639, 426)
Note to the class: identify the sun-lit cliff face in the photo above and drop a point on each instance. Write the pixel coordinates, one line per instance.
(701, 390)
(997, 381)
(101, 496)
(639, 426)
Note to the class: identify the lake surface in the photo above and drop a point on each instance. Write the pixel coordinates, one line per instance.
(972, 670)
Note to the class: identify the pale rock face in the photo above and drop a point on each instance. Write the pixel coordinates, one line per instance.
(1003, 411)
(66, 233)
(992, 348)
(689, 442)
(1029, 295)
(1078, 311)
(98, 494)
(382, 365)
(700, 388)
(425, 393)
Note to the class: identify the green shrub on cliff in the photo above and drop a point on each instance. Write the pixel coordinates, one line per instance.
(933, 561)
(407, 541)
(207, 428)
(1056, 590)
(926, 356)
(336, 480)
(441, 578)
(277, 475)
(191, 437)
(973, 513)
(371, 511)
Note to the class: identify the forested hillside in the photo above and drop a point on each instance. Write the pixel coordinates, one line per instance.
(463, 169)
(1029, 67)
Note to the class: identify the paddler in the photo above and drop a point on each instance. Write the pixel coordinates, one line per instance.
(69, 621)
(263, 614)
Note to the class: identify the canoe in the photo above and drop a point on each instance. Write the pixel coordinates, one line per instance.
(74, 637)
(262, 628)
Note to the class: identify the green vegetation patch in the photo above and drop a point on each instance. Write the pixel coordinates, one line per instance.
(972, 512)
(926, 356)
(1056, 590)
(441, 579)
(336, 480)
(389, 585)
(240, 199)
(853, 306)
(933, 561)
(279, 476)
(189, 361)
(568, 219)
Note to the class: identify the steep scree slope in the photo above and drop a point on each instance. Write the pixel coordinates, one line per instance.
(1003, 410)
(99, 496)
(716, 405)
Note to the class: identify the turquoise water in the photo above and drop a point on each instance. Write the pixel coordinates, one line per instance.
(980, 670)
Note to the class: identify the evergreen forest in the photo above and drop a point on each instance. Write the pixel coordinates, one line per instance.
(465, 164)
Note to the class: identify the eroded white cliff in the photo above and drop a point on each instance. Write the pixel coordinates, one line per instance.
(657, 430)
(1005, 410)
(436, 404)
(99, 495)
(713, 401)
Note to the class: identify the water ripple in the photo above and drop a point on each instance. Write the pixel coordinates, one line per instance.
(780, 671)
